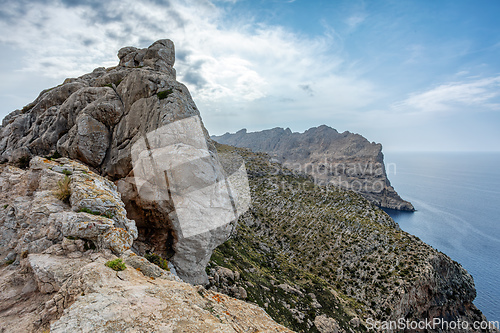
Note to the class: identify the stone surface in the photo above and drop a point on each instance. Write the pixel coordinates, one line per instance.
(37, 219)
(344, 159)
(133, 302)
(53, 275)
(63, 294)
(96, 119)
(326, 325)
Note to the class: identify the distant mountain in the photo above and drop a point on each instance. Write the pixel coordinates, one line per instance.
(343, 160)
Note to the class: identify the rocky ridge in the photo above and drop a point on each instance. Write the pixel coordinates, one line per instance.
(304, 251)
(345, 160)
(99, 118)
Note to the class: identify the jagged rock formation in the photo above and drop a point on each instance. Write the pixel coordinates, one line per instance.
(344, 159)
(98, 117)
(56, 237)
(35, 219)
(304, 251)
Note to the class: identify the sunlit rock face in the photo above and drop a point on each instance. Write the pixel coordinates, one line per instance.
(107, 118)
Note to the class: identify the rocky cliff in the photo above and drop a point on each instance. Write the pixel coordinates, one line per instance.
(139, 127)
(62, 226)
(344, 159)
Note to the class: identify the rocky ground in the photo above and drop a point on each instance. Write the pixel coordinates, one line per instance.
(54, 274)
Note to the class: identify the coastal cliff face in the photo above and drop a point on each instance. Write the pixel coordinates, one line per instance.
(345, 160)
(107, 119)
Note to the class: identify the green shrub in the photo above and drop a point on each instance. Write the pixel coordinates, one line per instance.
(89, 211)
(67, 172)
(109, 215)
(54, 156)
(157, 260)
(164, 94)
(116, 265)
(64, 192)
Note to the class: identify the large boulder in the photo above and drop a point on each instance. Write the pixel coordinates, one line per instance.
(52, 201)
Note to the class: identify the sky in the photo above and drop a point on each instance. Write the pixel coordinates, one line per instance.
(413, 75)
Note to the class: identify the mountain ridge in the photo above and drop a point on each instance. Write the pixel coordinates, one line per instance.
(343, 159)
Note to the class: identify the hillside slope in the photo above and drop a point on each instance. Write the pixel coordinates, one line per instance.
(335, 247)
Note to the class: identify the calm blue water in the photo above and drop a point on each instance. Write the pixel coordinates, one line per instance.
(457, 197)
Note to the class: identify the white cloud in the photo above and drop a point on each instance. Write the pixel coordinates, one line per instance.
(250, 69)
(355, 20)
(473, 94)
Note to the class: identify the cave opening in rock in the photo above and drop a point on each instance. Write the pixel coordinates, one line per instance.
(155, 231)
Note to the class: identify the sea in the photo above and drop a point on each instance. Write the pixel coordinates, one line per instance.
(457, 202)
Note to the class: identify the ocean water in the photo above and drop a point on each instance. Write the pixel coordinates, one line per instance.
(457, 197)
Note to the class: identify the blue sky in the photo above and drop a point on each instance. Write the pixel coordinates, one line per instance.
(413, 75)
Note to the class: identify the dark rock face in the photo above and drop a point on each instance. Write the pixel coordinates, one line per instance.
(344, 159)
(97, 118)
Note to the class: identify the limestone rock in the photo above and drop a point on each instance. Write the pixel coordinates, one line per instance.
(37, 219)
(97, 119)
(52, 271)
(134, 302)
(325, 324)
(226, 281)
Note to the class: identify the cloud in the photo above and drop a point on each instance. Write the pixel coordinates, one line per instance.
(355, 20)
(307, 88)
(473, 94)
(244, 67)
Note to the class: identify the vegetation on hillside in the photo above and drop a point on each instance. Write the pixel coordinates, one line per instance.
(331, 245)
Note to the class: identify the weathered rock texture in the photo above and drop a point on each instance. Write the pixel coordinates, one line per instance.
(334, 159)
(96, 119)
(34, 219)
(53, 273)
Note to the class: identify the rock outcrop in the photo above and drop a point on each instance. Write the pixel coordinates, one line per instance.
(115, 117)
(60, 224)
(54, 200)
(344, 159)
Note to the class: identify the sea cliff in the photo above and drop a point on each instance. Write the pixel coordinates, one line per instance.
(345, 159)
